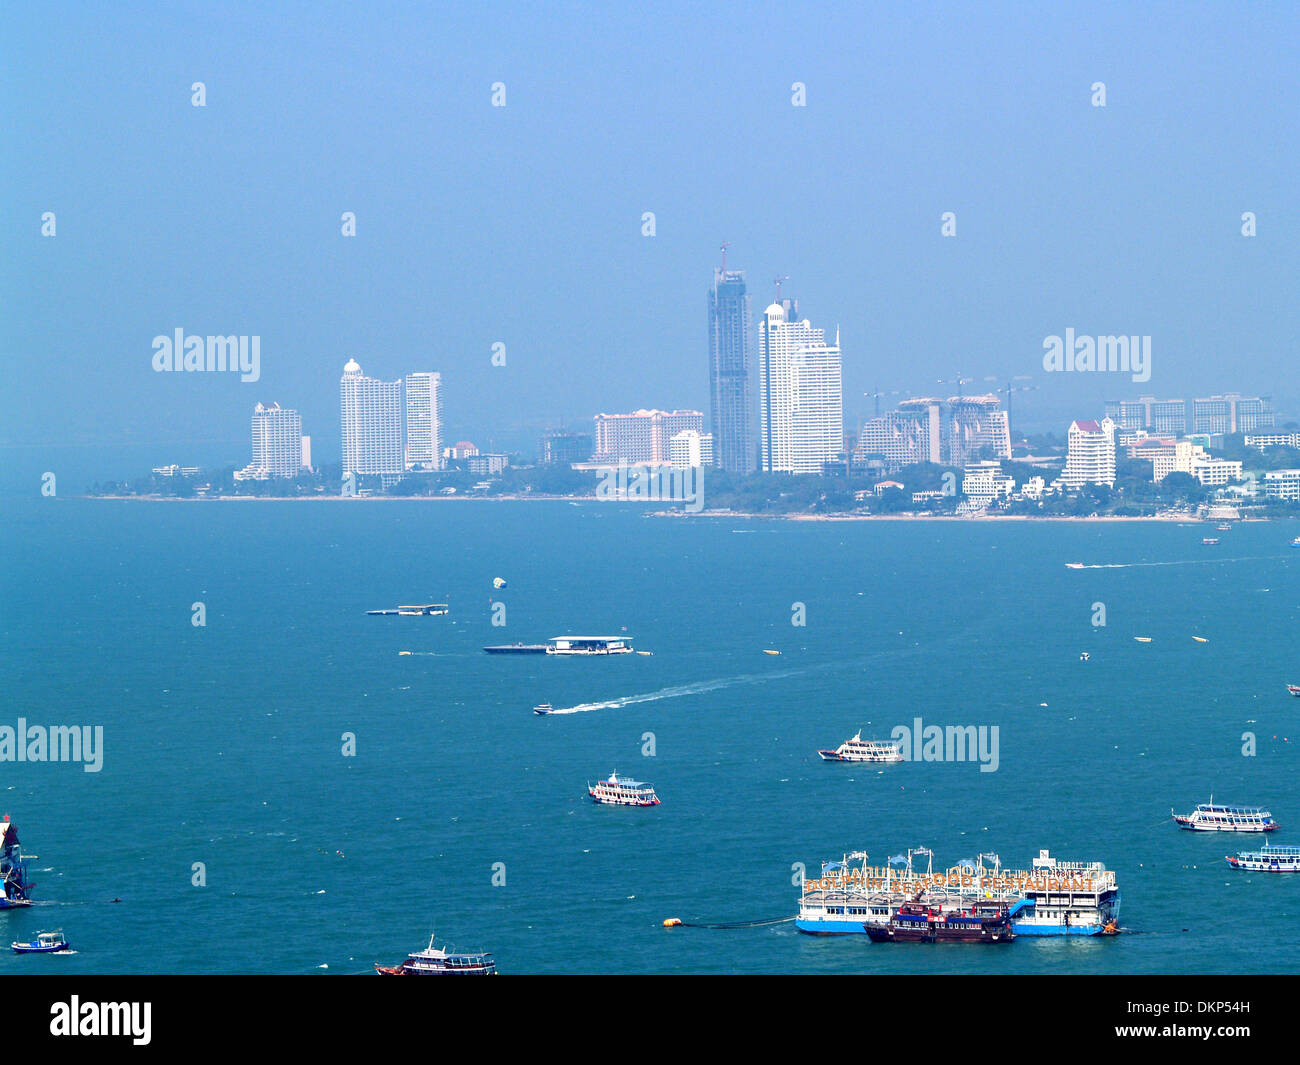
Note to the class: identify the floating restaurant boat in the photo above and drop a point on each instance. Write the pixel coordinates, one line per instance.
(1059, 898)
(433, 961)
(915, 922)
(13, 868)
(1214, 817)
(859, 750)
(44, 943)
(568, 645)
(1267, 859)
(616, 792)
(413, 610)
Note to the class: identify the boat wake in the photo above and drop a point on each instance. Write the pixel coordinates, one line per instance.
(1182, 562)
(681, 690)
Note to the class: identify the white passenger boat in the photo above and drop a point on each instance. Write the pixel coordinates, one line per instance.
(1215, 817)
(1267, 859)
(859, 750)
(616, 792)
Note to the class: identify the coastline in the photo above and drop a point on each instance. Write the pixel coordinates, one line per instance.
(673, 512)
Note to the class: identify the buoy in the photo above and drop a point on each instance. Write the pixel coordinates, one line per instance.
(672, 922)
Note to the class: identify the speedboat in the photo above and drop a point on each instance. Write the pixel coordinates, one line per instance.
(44, 943)
(543, 708)
(1074, 565)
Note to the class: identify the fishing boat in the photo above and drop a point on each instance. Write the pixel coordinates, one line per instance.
(44, 943)
(433, 961)
(543, 708)
(917, 922)
(857, 749)
(1215, 817)
(1267, 859)
(616, 792)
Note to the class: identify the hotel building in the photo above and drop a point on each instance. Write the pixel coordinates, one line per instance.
(423, 421)
(371, 415)
(1090, 457)
(801, 401)
(641, 437)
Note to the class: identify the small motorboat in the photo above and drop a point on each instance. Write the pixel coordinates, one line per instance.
(1200, 639)
(543, 708)
(44, 943)
(1142, 639)
(1294, 689)
(769, 651)
(1209, 541)
(1083, 656)
(1074, 565)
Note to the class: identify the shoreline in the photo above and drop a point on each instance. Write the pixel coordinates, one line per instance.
(674, 512)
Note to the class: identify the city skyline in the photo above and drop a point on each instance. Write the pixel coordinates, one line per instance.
(1066, 213)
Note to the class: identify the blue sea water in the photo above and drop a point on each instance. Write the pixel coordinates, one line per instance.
(224, 743)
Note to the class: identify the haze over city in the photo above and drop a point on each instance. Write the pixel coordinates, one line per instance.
(523, 224)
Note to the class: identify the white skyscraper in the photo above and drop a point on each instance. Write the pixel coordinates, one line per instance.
(277, 444)
(801, 400)
(1090, 457)
(423, 421)
(371, 415)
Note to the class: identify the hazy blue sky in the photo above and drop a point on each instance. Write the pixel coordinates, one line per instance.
(522, 224)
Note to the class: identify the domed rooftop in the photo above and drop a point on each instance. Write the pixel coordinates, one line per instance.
(352, 367)
(775, 310)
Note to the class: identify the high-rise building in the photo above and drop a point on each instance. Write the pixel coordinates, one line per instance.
(642, 436)
(731, 408)
(954, 431)
(558, 448)
(801, 399)
(900, 437)
(975, 427)
(1147, 412)
(1090, 457)
(371, 415)
(1232, 413)
(689, 448)
(423, 421)
(277, 440)
(277, 444)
